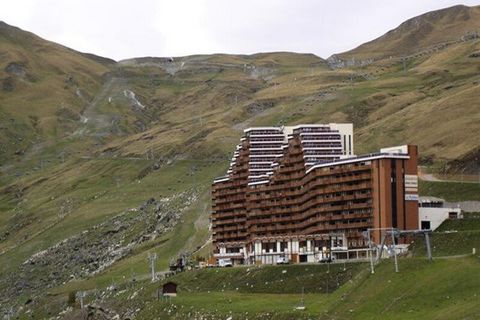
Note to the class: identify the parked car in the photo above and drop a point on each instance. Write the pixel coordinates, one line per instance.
(282, 260)
(224, 263)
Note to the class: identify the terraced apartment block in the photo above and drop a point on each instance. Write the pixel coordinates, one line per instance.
(300, 194)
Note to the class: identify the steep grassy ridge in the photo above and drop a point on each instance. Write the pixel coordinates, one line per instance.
(44, 87)
(421, 32)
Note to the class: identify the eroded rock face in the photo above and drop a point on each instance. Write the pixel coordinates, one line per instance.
(98, 247)
(17, 72)
(259, 106)
(335, 62)
(16, 69)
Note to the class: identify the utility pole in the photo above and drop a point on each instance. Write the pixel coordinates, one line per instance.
(372, 267)
(133, 275)
(394, 251)
(427, 243)
(81, 295)
(152, 257)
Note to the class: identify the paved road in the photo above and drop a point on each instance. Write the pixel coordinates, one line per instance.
(467, 206)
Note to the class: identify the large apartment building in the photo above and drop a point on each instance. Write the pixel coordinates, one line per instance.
(300, 193)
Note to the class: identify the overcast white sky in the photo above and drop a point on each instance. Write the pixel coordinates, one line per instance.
(122, 29)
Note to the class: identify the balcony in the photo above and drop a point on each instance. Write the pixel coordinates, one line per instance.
(228, 206)
(230, 193)
(238, 227)
(228, 214)
(228, 255)
(229, 199)
(230, 184)
(221, 222)
(227, 237)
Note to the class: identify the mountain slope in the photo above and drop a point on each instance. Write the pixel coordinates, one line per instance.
(434, 28)
(43, 89)
(87, 142)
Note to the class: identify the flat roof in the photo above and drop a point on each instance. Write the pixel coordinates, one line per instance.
(298, 126)
(427, 199)
(367, 157)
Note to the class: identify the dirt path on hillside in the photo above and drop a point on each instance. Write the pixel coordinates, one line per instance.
(434, 178)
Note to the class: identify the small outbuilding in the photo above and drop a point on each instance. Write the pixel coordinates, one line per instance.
(169, 289)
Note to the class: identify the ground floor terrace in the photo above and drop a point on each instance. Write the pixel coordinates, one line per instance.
(290, 249)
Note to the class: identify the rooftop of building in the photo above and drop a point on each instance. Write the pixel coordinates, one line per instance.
(430, 199)
(289, 129)
(395, 153)
(365, 157)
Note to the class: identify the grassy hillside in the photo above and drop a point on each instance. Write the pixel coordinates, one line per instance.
(453, 237)
(87, 142)
(269, 279)
(428, 30)
(44, 88)
(421, 290)
(451, 191)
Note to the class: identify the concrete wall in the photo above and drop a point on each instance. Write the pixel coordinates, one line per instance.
(435, 215)
(346, 132)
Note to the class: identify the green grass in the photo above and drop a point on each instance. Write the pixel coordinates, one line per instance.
(470, 222)
(421, 290)
(453, 237)
(450, 191)
(221, 305)
(269, 279)
(449, 244)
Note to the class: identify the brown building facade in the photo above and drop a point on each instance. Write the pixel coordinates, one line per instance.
(315, 198)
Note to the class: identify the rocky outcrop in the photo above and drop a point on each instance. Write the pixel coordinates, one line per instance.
(97, 248)
(335, 62)
(17, 69)
(258, 107)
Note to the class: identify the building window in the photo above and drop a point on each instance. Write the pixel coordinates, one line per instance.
(425, 225)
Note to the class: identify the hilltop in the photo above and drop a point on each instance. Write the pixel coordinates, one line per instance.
(431, 30)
